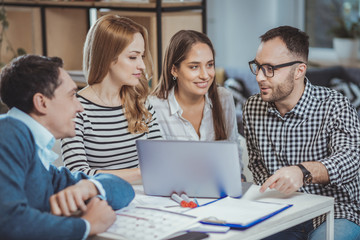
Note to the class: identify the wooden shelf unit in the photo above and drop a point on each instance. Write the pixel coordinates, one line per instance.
(58, 28)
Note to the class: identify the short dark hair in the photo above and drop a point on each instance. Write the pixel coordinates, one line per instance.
(27, 75)
(297, 41)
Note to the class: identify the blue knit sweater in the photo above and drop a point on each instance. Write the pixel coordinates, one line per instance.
(26, 186)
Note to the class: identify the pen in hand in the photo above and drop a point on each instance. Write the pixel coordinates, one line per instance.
(79, 212)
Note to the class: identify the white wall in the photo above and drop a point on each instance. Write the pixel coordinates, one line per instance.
(234, 26)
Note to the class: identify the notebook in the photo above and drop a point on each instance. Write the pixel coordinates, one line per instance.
(196, 168)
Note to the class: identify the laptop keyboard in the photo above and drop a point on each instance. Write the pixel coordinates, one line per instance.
(149, 223)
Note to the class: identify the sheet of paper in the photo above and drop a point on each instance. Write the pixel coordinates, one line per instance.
(236, 211)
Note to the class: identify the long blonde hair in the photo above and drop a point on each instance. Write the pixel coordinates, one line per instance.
(106, 39)
(179, 46)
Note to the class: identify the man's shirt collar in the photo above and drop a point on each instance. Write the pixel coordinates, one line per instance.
(44, 140)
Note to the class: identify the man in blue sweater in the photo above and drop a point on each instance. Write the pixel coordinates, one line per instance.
(37, 200)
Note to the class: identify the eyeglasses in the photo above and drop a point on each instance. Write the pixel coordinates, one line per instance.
(268, 69)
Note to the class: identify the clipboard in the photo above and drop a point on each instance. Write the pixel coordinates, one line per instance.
(236, 213)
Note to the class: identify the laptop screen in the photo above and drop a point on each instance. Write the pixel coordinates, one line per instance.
(197, 168)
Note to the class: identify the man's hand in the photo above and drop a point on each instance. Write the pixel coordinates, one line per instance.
(286, 180)
(100, 216)
(72, 199)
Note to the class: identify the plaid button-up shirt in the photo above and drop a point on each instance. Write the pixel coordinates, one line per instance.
(322, 127)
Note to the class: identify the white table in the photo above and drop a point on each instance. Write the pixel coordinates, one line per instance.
(305, 207)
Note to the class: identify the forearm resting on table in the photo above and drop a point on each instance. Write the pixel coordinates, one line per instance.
(131, 175)
(318, 171)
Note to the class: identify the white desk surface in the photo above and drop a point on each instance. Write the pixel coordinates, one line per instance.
(305, 207)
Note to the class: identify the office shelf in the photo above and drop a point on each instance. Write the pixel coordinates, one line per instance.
(58, 28)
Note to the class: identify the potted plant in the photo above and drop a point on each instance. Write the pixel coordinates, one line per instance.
(6, 44)
(4, 41)
(346, 34)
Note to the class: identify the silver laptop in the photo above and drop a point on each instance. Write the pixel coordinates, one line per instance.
(197, 168)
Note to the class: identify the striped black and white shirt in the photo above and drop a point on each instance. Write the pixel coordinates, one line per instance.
(323, 127)
(102, 139)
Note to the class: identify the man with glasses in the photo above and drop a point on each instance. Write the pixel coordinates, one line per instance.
(302, 137)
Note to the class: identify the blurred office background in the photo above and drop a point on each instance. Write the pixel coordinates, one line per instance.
(234, 26)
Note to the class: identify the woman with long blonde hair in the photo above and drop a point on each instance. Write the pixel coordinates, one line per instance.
(117, 65)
